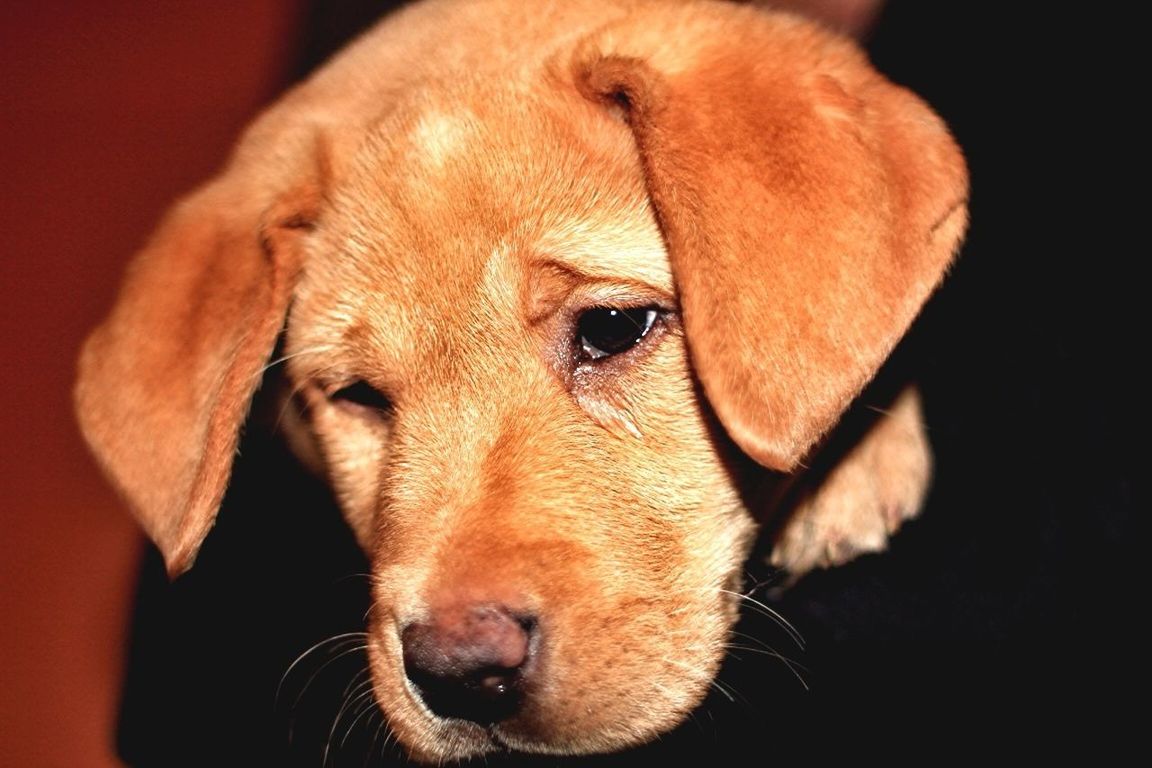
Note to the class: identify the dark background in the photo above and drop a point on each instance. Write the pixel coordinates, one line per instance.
(1004, 620)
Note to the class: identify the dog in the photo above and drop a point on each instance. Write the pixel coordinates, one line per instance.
(569, 302)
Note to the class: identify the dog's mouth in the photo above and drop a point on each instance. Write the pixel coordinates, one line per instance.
(483, 680)
(469, 711)
(486, 697)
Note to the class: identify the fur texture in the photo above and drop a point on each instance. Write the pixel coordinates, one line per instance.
(425, 222)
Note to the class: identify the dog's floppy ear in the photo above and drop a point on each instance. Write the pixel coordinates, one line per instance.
(809, 205)
(166, 380)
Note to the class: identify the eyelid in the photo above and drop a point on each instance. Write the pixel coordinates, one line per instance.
(559, 288)
(617, 296)
(359, 393)
(610, 277)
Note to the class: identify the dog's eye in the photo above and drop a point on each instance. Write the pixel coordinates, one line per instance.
(362, 395)
(606, 331)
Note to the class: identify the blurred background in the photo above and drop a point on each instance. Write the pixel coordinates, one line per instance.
(1023, 572)
(109, 111)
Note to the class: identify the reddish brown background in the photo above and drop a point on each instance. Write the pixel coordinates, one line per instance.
(110, 109)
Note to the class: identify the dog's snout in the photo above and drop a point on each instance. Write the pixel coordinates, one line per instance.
(470, 662)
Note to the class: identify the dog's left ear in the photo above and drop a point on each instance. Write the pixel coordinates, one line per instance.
(810, 206)
(165, 382)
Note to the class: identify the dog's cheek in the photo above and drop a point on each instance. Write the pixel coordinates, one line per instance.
(627, 647)
(632, 624)
(623, 672)
(354, 450)
(640, 639)
(624, 548)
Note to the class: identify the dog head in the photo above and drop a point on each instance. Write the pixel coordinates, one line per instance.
(545, 304)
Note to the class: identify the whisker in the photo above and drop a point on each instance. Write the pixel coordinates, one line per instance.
(367, 617)
(285, 358)
(728, 691)
(347, 652)
(357, 681)
(361, 700)
(291, 397)
(758, 643)
(793, 666)
(390, 740)
(342, 646)
(367, 705)
(381, 727)
(771, 613)
(772, 580)
(335, 640)
(353, 701)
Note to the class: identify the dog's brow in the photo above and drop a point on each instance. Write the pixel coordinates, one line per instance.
(553, 281)
(626, 252)
(608, 279)
(546, 288)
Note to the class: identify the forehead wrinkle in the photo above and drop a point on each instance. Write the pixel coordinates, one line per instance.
(443, 199)
(626, 248)
(522, 167)
(451, 337)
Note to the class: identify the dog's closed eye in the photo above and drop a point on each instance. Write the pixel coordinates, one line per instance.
(361, 398)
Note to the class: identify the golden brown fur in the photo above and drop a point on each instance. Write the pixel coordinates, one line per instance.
(431, 213)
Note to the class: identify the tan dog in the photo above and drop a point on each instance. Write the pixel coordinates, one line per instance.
(546, 282)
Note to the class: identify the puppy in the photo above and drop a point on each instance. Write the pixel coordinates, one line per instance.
(561, 296)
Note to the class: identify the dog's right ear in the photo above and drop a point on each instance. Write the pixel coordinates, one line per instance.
(809, 205)
(166, 381)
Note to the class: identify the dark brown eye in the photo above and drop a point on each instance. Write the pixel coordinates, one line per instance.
(361, 394)
(605, 331)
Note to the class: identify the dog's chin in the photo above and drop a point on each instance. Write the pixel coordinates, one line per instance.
(430, 739)
(595, 726)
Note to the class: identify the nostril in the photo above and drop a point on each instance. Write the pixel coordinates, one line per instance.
(468, 662)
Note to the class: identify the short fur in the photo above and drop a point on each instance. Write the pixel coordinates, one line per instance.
(431, 212)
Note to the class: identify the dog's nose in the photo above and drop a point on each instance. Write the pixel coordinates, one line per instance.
(469, 662)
